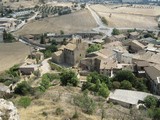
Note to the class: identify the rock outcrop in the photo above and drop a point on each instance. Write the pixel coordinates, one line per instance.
(8, 111)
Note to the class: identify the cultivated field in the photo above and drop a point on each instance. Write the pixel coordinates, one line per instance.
(132, 16)
(71, 23)
(11, 54)
(20, 4)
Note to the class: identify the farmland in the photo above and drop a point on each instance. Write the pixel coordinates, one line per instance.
(21, 4)
(71, 23)
(129, 16)
(11, 54)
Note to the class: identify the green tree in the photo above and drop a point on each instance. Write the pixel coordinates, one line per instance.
(116, 84)
(94, 76)
(45, 84)
(94, 47)
(68, 77)
(140, 84)
(54, 42)
(23, 88)
(125, 75)
(157, 114)
(82, 6)
(42, 40)
(104, 20)
(61, 32)
(13, 71)
(126, 85)
(115, 32)
(8, 37)
(103, 90)
(24, 102)
(97, 83)
(151, 101)
(52, 48)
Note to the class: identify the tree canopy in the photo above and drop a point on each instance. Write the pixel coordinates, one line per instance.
(97, 83)
(115, 32)
(151, 101)
(23, 88)
(68, 77)
(94, 47)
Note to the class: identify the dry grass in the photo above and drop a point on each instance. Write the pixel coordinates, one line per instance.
(11, 54)
(48, 103)
(71, 23)
(129, 17)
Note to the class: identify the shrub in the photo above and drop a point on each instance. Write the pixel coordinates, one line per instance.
(24, 102)
(75, 116)
(44, 113)
(126, 85)
(86, 103)
(151, 101)
(69, 77)
(94, 47)
(103, 90)
(23, 88)
(59, 111)
(104, 20)
(116, 84)
(115, 32)
(124, 75)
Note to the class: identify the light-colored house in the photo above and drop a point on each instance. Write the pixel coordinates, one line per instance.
(128, 98)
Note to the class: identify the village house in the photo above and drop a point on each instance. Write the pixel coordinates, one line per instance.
(108, 60)
(134, 35)
(119, 37)
(139, 66)
(32, 63)
(136, 46)
(153, 75)
(28, 69)
(72, 53)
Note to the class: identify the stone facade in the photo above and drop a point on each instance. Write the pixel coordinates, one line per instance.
(72, 53)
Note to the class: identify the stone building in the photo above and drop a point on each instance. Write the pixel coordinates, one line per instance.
(72, 53)
(136, 46)
(153, 75)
